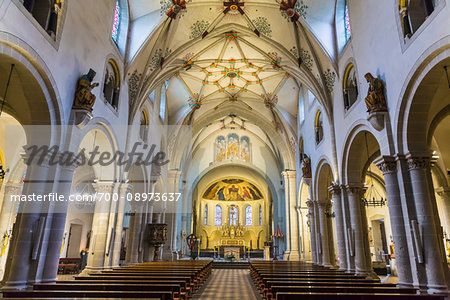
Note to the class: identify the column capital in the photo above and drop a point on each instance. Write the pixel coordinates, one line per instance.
(354, 189)
(417, 161)
(289, 174)
(325, 205)
(104, 186)
(335, 189)
(309, 203)
(387, 164)
(12, 188)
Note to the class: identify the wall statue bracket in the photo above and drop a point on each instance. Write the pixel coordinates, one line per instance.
(84, 99)
(376, 102)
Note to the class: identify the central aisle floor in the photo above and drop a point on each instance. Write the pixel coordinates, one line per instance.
(228, 284)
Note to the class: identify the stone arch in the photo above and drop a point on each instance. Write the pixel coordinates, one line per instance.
(355, 158)
(411, 107)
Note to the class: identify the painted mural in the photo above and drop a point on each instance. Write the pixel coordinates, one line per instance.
(221, 148)
(232, 147)
(232, 190)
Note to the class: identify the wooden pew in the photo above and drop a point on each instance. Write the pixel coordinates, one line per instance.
(349, 296)
(165, 280)
(163, 295)
(299, 280)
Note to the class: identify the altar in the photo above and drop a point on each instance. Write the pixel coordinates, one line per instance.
(235, 251)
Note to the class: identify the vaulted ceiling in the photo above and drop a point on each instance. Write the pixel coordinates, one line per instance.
(220, 59)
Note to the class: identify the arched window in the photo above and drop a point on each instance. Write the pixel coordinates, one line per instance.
(413, 13)
(260, 215)
(143, 129)
(116, 23)
(206, 214)
(233, 216)
(248, 216)
(111, 85)
(350, 86)
(218, 216)
(46, 13)
(348, 29)
(318, 126)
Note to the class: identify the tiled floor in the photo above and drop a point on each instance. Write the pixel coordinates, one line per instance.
(228, 284)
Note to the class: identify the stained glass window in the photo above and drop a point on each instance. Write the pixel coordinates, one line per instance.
(348, 30)
(206, 214)
(248, 216)
(116, 24)
(218, 218)
(233, 215)
(260, 215)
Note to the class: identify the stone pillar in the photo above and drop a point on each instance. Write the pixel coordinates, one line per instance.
(124, 189)
(7, 218)
(132, 256)
(347, 229)
(319, 236)
(359, 232)
(292, 234)
(431, 252)
(58, 222)
(388, 166)
(311, 223)
(340, 229)
(325, 233)
(28, 229)
(99, 248)
(444, 193)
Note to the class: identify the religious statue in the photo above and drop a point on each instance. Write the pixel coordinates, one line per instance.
(375, 100)
(84, 99)
(306, 169)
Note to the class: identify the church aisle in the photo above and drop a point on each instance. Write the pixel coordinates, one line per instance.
(229, 284)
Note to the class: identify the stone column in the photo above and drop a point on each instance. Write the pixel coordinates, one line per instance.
(444, 193)
(347, 229)
(388, 166)
(319, 236)
(132, 256)
(340, 229)
(100, 227)
(28, 229)
(6, 219)
(58, 222)
(326, 235)
(359, 231)
(432, 250)
(124, 189)
(311, 222)
(292, 234)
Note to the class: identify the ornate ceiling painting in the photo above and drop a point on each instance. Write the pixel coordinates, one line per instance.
(233, 56)
(232, 189)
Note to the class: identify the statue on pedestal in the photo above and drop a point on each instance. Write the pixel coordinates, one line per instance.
(375, 100)
(84, 99)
